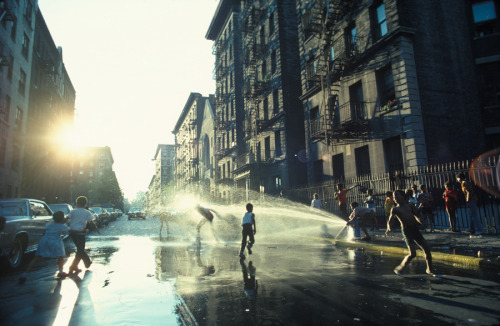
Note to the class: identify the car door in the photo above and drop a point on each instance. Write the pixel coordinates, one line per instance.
(40, 215)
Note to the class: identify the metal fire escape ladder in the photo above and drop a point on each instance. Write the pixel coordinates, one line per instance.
(332, 12)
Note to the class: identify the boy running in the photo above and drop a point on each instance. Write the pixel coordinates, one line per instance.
(408, 217)
(246, 223)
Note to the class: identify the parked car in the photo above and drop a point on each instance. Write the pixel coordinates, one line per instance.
(66, 208)
(112, 213)
(25, 221)
(119, 211)
(103, 217)
(136, 213)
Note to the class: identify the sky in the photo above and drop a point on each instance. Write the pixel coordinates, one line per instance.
(133, 65)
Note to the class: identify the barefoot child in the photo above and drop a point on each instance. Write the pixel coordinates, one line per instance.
(51, 245)
(78, 219)
(407, 215)
(246, 223)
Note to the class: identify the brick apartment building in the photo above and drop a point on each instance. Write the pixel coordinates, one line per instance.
(382, 90)
(314, 91)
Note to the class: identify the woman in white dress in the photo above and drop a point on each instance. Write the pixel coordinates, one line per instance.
(51, 245)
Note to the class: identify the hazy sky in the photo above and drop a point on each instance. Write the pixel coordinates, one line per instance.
(133, 65)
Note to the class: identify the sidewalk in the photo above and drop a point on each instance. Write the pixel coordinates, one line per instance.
(457, 247)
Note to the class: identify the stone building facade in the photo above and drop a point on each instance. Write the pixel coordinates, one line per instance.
(381, 90)
(164, 172)
(17, 26)
(187, 142)
(258, 150)
(47, 157)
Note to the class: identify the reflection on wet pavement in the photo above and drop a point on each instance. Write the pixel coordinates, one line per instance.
(146, 279)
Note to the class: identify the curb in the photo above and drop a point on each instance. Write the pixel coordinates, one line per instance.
(461, 259)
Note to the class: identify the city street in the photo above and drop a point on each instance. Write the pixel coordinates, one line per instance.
(140, 278)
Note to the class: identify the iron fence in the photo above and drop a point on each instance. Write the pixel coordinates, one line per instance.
(485, 176)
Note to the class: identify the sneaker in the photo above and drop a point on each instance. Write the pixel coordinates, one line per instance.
(62, 275)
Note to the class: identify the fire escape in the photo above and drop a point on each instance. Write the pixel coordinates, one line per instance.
(255, 86)
(326, 68)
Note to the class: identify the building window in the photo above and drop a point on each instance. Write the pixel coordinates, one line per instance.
(381, 20)
(362, 161)
(273, 62)
(277, 143)
(318, 171)
(22, 82)
(29, 11)
(265, 108)
(276, 102)
(352, 40)
(19, 118)
(393, 154)
(490, 90)
(25, 46)
(386, 91)
(10, 68)
(271, 24)
(332, 54)
(338, 166)
(485, 18)
(267, 148)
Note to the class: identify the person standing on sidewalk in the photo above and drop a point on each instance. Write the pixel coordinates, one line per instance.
(316, 202)
(341, 196)
(370, 203)
(407, 215)
(78, 219)
(450, 198)
(471, 199)
(425, 200)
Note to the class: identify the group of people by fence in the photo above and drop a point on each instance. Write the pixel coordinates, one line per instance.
(427, 202)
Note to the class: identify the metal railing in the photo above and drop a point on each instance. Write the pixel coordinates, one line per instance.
(484, 175)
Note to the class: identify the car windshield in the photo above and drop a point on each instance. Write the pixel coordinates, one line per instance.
(97, 210)
(56, 207)
(11, 209)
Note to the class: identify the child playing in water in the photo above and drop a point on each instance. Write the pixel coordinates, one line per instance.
(407, 215)
(78, 220)
(389, 204)
(207, 216)
(51, 245)
(247, 222)
(359, 216)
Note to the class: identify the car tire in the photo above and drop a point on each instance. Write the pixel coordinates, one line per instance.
(16, 255)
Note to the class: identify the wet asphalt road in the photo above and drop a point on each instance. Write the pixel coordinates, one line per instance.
(138, 278)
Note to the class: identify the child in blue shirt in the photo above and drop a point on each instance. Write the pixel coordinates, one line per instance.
(247, 222)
